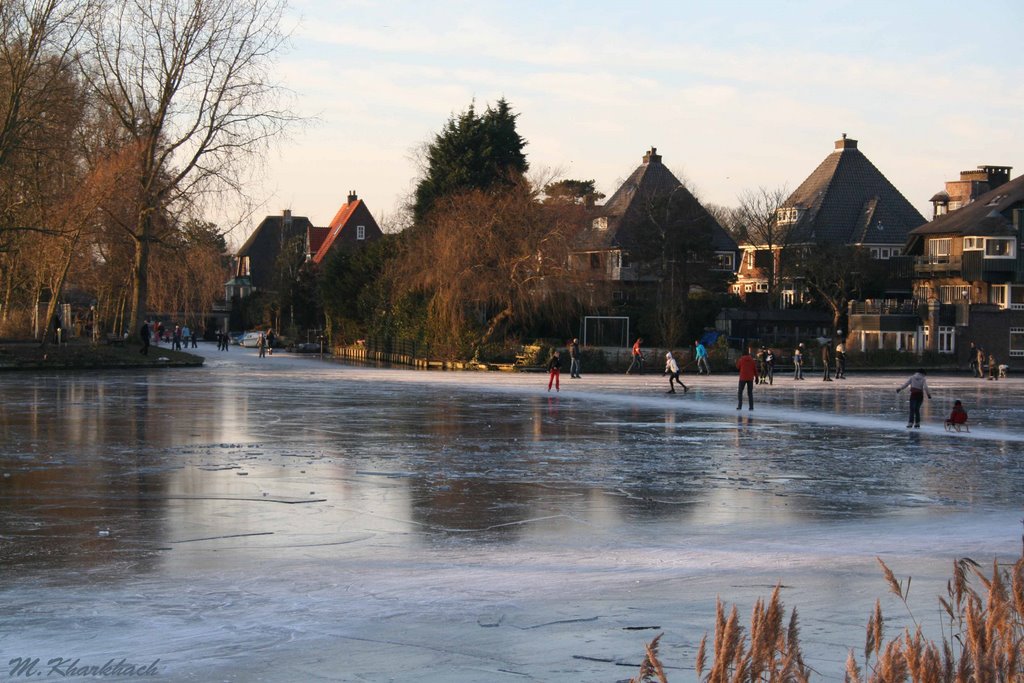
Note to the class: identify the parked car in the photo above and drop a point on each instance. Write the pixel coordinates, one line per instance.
(250, 339)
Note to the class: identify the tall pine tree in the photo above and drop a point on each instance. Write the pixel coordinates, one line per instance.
(472, 152)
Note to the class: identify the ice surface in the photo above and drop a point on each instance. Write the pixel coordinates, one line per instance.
(289, 519)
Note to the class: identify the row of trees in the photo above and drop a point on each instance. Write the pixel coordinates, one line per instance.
(120, 121)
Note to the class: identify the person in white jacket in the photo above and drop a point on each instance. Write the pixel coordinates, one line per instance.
(673, 372)
(918, 389)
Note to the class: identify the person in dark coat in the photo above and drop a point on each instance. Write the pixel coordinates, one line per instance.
(554, 369)
(826, 360)
(748, 371)
(144, 338)
(574, 358)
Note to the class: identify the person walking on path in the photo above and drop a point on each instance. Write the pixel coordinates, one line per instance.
(918, 390)
(673, 372)
(840, 360)
(748, 371)
(574, 358)
(798, 361)
(638, 358)
(144, 337)
(826, 360)
(554, 368)
(701, 355)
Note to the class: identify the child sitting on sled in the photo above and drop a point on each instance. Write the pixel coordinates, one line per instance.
(957, 419)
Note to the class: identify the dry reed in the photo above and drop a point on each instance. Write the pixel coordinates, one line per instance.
(983, 641)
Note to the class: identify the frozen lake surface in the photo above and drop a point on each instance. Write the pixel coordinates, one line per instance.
(288, 519)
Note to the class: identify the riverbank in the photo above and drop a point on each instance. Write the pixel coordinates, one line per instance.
(84, 356)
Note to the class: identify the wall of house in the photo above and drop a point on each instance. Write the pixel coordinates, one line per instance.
(990, 329)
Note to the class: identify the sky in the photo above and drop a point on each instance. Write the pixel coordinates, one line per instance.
(734, 96)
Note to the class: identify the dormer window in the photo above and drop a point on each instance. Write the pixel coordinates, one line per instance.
(788, 215)
(600, 223)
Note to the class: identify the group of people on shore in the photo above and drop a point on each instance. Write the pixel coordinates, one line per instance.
(153, 332)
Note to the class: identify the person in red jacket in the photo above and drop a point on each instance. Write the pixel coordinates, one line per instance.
(748, 371)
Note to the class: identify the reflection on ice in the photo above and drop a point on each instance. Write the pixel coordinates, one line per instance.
(308, 520)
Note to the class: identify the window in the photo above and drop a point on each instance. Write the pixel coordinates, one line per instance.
(748, 288)
(243, 267)
(946, 339)
(1017, 341)
(952, 294)
(618, 295)
(723, 261)
(762, 286)
(997, 295)
(895, 251)
(875, 253)
(788, 215)
(600, 223)
(595, 261)
(1017, 297)
(938, 248)
(360, 232)
(999, 248)
(973, 243)
(750, 258)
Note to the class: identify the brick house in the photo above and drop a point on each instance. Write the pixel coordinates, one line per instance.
(846, 200)
(352, 226)
(967, 274)
(255, 259)
(606, 247)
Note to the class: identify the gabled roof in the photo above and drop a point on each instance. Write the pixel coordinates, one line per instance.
(343, 227)
(265, 244)
(990, 215)
(624, 210)
(846, 200)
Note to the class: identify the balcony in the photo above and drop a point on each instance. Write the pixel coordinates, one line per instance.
(934, 266)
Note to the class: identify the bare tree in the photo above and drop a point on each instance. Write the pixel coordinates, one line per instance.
(188, 83)
(489, 260)
(758, 227)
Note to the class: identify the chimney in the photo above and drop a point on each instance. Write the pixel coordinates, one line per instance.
(652, 156)
(286, 214)
(352, 196)
(846, 143)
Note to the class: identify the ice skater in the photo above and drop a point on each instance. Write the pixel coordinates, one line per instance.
(554, 369)
(840, 360)
(748, 371)
(918, 389)
(826, 360)
(673, 372)
(701, 355)
(798, 361)
(638, 358)
(574, 358)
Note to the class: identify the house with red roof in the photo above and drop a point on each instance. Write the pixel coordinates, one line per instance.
(352, 226)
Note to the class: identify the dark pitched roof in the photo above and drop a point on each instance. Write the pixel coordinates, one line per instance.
(265, 244)
(623, 211)
(990, 215)
(846, 200)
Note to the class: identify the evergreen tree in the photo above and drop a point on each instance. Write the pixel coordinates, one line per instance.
(472, 152)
